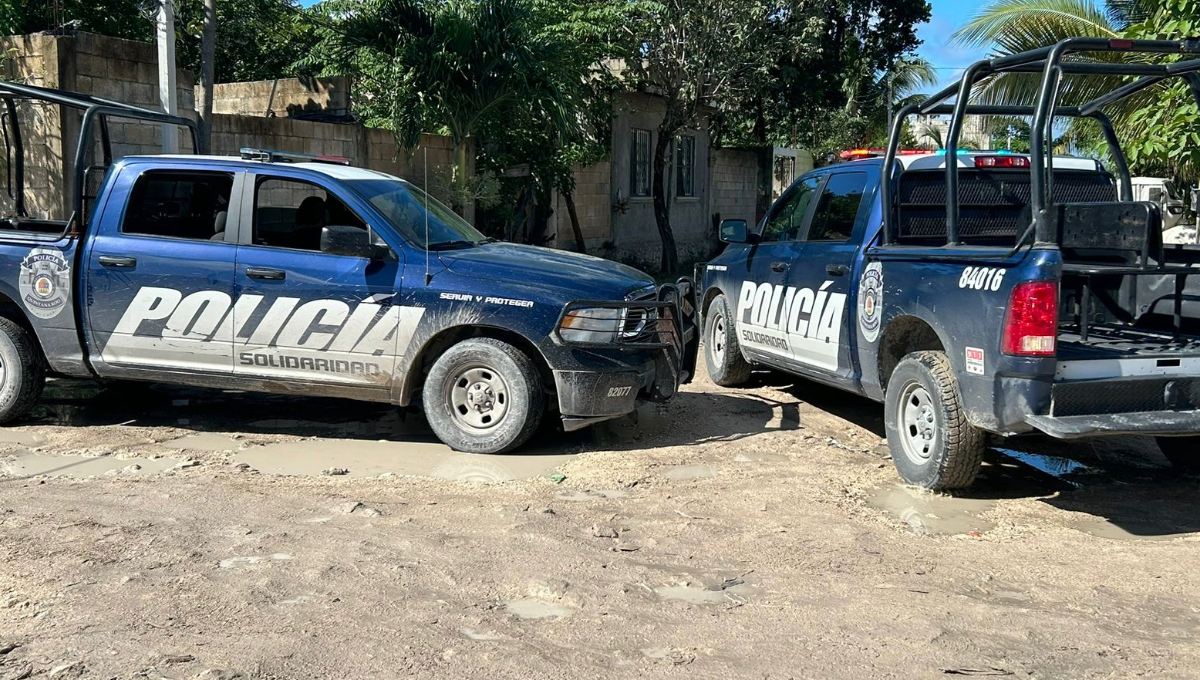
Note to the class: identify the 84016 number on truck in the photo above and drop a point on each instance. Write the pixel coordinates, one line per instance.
(975, 293)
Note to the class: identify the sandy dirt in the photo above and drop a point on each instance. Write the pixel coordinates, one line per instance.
(150, 532)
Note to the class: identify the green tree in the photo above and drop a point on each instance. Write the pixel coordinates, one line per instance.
(1155, 125)
(826, 88)
(694, 54)
(445, 65)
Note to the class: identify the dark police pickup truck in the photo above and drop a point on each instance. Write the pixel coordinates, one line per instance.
(976, 293)
(279, 273)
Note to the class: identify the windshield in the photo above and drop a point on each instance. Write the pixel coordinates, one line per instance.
(404, 207)
(1172, 191)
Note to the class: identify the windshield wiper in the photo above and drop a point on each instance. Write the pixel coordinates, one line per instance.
(445, 245)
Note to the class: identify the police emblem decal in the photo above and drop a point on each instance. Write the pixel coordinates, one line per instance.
(45, 282)
(870, 301)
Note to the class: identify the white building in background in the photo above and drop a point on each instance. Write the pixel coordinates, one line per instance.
(933, 130)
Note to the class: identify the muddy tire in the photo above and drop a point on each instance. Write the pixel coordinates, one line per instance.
(484, 396)
(932, 444)
(722, 353)
(1182, 452)
(22, 373)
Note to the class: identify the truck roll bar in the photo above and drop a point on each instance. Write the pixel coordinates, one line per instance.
(1052, 63)
(96, 113)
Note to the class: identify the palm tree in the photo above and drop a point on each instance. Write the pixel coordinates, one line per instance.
(1012, 26)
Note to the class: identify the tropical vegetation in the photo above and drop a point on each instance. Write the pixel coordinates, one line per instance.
(1159, 127)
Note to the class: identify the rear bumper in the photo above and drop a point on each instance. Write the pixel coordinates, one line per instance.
(1145, 423)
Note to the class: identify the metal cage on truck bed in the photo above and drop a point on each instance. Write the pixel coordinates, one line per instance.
(1057, 208)
(97, 111)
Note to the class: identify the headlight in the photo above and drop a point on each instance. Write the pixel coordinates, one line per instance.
(588, 325)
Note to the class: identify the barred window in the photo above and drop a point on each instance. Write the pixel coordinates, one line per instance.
(639, 163)
(685, 167)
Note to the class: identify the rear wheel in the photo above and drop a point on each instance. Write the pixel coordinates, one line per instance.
(22, 373)
(484, 396)
(722, 353)
(932, 444)
(1183, 452)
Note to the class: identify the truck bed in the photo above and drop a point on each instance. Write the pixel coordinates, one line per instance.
(1121, 342)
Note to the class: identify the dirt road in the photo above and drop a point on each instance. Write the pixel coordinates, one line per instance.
(734, 534)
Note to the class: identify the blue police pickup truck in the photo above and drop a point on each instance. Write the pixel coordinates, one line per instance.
(278, 273)
(975, 292)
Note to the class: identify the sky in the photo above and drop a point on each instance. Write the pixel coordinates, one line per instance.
(947, 17)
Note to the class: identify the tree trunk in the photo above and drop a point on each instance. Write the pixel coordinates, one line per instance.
(208, 68)
(464, 171)
(669, 262)
(570, 200)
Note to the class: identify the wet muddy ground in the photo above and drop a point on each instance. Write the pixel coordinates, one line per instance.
(155, 532)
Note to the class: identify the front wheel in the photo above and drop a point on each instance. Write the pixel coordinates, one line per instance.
(484, 396)
(932, 444)
(1182, 452)
(722, 354)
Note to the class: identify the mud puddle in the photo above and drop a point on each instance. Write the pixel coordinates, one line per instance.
(1055, 466)
(373, 458)
(33, 464)
(690, 472)
(204, 441)
(697, 595)
(927, 513)
(533, 608)
(1148, 530)
(20, 438)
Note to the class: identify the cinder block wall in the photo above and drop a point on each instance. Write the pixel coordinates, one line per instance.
(283, 97)
(127, 71)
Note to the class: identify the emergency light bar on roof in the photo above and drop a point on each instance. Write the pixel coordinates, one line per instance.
(859, 154)
(274, 156)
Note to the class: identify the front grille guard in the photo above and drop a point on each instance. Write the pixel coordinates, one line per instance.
(668, 321)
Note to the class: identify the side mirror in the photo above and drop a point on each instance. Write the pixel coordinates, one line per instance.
(735, 231)
(351, 242)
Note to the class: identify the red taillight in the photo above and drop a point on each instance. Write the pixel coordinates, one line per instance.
(1031, 325)
(1120, 44)
(1001, 162)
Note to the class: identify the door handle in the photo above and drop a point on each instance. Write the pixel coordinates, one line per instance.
(837, 269)
(267, 274)
(779, 266)
(120, 262)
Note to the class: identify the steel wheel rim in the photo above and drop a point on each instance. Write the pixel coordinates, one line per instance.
(716, 340)
(478, 398)
(919, 431)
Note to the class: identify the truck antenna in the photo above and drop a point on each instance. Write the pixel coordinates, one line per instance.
(428, 277)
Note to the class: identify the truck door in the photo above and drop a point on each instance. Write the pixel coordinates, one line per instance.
(160, 273)
(306, 316)
(829, 245)
(760, 319)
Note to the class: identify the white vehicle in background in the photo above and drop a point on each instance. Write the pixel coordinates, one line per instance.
(1163, 192)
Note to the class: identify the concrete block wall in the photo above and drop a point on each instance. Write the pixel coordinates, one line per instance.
(736, 181)
(593, 204)
(34, 61)
(127, 71)
(283, 97)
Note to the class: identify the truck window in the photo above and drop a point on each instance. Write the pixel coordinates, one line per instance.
(188, 205)
(838, 209)
(291, 214)
(785, 221)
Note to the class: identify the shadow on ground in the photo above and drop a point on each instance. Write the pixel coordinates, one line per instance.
(691, 418)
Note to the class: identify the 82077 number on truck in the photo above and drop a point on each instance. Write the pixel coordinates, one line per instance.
(278, 273)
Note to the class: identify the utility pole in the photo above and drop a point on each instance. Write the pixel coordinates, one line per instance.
(165, 25)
